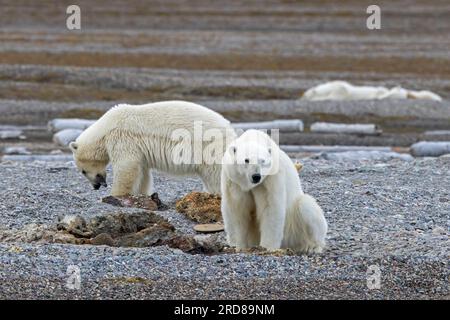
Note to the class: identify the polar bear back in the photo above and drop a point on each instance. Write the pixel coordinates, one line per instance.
(159, 119)
(164, 135)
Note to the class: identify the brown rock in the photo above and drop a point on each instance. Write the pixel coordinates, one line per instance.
(190, 245)
(136, 201)
(103, 239)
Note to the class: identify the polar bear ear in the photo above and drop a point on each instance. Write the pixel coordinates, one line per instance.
(73, 146)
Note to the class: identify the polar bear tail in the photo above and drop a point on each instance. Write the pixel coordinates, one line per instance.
(305, 226)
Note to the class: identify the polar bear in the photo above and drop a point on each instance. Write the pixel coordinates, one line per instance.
(342, 90)
(262, 199)
(176, 137)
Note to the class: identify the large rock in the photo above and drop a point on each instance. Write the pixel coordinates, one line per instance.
(38, 157)
(11, 134)
(315, 149)
(137, 201)
(16, 150)
(365, 155)
(353, 128)
(292, 125)
(64, 137)
(430, 148)
(56, 125)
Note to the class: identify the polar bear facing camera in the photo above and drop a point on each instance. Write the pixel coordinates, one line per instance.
(262, 199)
(176, 137)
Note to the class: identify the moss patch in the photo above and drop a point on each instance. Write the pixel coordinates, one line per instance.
(201, 207)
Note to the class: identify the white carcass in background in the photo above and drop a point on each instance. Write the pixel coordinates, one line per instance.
(342, 90)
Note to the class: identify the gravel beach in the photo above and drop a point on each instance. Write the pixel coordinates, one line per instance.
(249, 61)
(393, 215)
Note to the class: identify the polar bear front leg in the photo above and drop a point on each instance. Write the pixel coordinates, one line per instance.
(272, 226)
(237, 207)
(126, 173)
(271, 215)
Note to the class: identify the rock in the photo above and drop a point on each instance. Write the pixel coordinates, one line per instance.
(147, 237)
(103, 239)
(161, 206)
(190, 245)
(209, 227)
(66, 136)
(365, 155)
(16, 150)
(120, 224)
(292, 125)
(56, 125)
(114, 201)
(354, 128)
(75, 225)
(29, 233)
(201, 207)
(136, 201)
(430, 148)
(33, 232)
(11, 134)
(439, 231)
(38, 157)
(315, 149)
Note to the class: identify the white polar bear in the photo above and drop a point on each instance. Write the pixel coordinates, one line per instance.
(177, 137)
(262, 199)
(342, 90)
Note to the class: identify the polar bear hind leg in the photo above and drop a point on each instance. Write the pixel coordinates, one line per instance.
(144, 182)
(306, 227)
(210, 175)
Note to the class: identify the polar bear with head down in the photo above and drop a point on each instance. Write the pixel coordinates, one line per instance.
(176, 137)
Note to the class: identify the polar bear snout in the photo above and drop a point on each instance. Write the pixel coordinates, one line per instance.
(100, 181)
(256, 178)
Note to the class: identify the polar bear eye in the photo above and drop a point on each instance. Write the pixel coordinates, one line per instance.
(247, 161)
(83, 172)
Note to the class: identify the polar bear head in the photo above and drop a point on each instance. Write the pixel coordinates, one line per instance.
(250, 159)
(88, 163)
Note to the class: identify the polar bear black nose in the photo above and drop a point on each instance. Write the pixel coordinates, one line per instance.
(256, 178)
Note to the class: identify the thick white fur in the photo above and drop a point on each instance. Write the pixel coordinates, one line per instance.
(342, 90)
(275, 213)
(136, 139)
